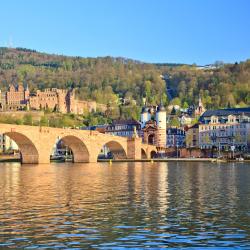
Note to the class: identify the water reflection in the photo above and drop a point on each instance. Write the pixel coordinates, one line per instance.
(124, 205)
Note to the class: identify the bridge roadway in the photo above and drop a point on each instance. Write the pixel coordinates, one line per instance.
(36, 143)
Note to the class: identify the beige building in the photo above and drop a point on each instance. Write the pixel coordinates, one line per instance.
(192, 136)
(227, 129)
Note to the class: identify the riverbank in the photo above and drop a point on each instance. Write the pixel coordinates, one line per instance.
(9, 158)
(16, 158)
(173, 160)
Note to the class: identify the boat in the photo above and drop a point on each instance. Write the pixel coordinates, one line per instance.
(221, 160)
(218, 160)
(68, 158)
(60, 158)
(241, 159)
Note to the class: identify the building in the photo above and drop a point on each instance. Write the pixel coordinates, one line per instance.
(185, 120)
(7, 144)
(154, 126)
(125, 128)
(175, 137)
(61, 100)
(225, 129)
(154, 130)
(16, 98)
(149, 132)
(200, 109)
(195, 110)
(192, 136)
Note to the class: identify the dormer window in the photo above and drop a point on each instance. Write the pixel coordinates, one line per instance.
(231, 118)
(214, 119)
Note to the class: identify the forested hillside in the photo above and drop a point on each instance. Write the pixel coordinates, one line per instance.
(100, 79)
(106, 79)
(227, 85)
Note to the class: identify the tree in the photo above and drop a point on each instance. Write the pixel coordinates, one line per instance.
(44, 121)
(176, 101)
(103, 79)
(19, 121)
(175, 122)
(27, 119)
(185, 105)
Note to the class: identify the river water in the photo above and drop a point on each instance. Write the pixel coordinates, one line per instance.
(136, 205)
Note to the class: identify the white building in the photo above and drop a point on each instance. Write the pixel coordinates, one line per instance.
(225, 129)
(154, 124)
(7, 144)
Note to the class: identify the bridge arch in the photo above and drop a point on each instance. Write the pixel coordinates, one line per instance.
(78, 147)
(28, 150)
(153, 154)
(143, 154)
(116, 150)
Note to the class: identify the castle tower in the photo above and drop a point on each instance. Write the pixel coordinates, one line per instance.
(145, 116)
(20, 88)
(161, 117)
(26, 94)
(71, 107)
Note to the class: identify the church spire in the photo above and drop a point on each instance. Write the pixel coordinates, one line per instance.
(199, 102)
(27, 87)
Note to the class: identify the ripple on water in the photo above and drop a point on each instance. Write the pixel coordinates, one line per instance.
(126, 205)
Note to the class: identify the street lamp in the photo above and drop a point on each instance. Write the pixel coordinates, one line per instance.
(219, 148)
(233, 148)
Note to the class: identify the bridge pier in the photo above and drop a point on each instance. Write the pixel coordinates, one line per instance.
(29, 159)
(80, 157)
(134, 148)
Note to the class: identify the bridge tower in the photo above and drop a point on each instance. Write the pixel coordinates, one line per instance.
(161, 117)
(145, 116)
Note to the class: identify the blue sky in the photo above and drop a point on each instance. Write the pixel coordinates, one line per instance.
(179, 31)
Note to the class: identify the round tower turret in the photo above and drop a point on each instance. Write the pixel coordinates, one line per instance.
(161, 121)
(145, 116)
(161, 116)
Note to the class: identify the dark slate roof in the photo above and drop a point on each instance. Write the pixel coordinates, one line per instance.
(161, 108)
(126, 122)
(145, 110)
(196, 125)
(94, 127)
(226, 112)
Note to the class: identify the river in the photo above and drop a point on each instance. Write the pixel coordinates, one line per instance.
(136, 205)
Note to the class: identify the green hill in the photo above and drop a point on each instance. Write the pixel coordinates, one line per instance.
(226, 85)
(106, 79)
(101, 79)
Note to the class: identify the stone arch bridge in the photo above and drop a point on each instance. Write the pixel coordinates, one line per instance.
(36, 143)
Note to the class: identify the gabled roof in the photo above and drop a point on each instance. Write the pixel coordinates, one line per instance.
(125, 122)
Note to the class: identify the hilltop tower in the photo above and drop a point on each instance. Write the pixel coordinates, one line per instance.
(161, 117)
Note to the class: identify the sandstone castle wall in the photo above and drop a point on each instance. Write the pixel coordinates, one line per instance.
(61, 100)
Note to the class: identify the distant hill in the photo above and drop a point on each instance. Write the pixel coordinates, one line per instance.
(101, 79)
(107, 79)
(220, 86)
(170, 64)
